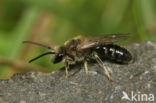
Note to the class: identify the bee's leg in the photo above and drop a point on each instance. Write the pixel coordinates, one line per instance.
(103, 66)
(66, 70)
(86, 69)
(67, 67)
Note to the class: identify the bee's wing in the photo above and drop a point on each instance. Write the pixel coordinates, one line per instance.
(106, 39)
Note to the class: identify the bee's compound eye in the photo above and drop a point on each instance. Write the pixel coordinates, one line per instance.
(57, 58)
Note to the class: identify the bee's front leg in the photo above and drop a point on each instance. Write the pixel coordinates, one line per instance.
(66, 71)
(66, 68)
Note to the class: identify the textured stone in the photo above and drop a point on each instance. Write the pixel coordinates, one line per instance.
(139, 77)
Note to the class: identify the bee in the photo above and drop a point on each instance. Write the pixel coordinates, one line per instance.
(85, 49)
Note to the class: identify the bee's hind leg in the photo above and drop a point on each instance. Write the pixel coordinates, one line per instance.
(103, 66)
(86, 69)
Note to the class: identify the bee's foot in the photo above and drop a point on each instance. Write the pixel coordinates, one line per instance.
(110, 79)
(89, 76)
(65, 77)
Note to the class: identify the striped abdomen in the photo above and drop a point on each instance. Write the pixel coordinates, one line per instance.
(114, 53)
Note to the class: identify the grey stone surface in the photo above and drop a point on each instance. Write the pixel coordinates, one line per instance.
(139, 77)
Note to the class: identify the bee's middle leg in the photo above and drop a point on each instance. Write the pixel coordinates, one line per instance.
(86, 69)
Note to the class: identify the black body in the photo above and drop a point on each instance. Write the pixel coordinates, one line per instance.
(80, 48)
(83, 49)
(113, 53)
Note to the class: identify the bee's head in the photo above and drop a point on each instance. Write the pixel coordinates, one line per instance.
(59, 55)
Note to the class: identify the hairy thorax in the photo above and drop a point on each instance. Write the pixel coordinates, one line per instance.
(73, 55)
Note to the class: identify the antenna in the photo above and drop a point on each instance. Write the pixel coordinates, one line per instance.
(41, 56)
(38, 44)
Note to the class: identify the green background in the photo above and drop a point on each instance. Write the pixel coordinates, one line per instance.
(52, 22)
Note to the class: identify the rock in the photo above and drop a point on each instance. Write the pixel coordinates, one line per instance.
(136, 80)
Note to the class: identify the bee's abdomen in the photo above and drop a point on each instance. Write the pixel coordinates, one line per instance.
(114, 53)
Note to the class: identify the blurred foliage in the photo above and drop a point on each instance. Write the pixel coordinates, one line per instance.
(52, 22)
